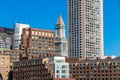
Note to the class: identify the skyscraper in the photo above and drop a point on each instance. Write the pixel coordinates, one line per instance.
(85, 21)
(61, 45)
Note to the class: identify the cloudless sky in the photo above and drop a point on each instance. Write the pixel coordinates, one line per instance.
(44, 13)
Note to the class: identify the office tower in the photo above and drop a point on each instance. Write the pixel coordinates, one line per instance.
(61, 45)
(85, 22)
(37, 41)
(17, 34)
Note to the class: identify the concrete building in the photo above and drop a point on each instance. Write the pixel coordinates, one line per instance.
(85, 22)
(61, 45)
(40, 69)
(5, 41)
(17, 34)
(59, 67)
(6, 33)
(37, 41)
(99, 69)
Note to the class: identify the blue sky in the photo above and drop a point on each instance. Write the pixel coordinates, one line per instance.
(43, 14)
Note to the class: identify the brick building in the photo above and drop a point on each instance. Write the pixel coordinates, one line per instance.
(34, 69)
(37, 41)
(39, 69)
(99, 69)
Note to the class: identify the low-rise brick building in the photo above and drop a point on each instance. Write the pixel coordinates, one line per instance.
(99, 69)
(49, 68)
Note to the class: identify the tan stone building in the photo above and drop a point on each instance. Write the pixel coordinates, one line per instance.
(7, 58)
(99, 69)
(37, 41)
(4, 66)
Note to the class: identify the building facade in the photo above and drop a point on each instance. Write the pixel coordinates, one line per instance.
(18, 27)
(4, 66)
(8, 31)
(37, 41)
(85, 22)
(39, 69)
(5, 41)
(61, 44)
(59, 67)
(99, 69)
(7, 59)
(33, 69)
(14, 55)
(6, 37)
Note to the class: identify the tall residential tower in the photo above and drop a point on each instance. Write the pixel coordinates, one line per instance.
(85, 21)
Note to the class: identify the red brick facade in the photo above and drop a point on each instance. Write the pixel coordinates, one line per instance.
(35, 41)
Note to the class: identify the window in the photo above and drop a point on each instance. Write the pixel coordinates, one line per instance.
(64, 46)
(42, 33)
(58, 76)
(27, 32)
(2, 60)
(58, 60)
(32, 32)
(49, 34)
(63, 76)
(63, 66)
(63, 71)
(57, 71)
(36, 33)
(32, 37)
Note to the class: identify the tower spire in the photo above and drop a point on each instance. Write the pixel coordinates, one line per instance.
(60, 39)
(60, 22)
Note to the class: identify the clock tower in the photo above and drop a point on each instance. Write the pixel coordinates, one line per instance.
(61, 44)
